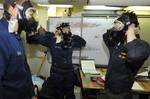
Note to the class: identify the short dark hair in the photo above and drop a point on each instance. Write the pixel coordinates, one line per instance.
(8, 3)
(64, 25)
(58, 28)
(129, 17)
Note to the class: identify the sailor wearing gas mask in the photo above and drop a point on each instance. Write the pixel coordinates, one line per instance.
(28, 19)
(15, 75)
(61, 45)
(127, 54)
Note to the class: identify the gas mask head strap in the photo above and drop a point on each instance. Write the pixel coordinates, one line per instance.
(26, 5)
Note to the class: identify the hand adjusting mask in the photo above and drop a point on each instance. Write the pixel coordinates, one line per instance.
(66, 35)
(121, 26)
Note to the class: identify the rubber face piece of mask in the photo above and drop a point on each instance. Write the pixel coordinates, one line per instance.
(31, 13)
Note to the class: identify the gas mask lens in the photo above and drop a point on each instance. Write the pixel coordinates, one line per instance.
(118, 25)
(32, 19)
(31, 13)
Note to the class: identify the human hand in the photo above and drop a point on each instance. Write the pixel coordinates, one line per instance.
(100, 81)
(41, 30)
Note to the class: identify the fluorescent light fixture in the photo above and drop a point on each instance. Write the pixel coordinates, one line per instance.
(52, 11)
(101, 8)
(1, 6)
(57, 5)
(64, 6)
(138, 8)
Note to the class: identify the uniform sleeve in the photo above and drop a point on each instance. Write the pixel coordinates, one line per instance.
(109, 41)
(3, 62)
(78, 41)
(44, 39)
(137, 51)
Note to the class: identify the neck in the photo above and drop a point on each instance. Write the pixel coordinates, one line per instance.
(58, 38)
(131, 36)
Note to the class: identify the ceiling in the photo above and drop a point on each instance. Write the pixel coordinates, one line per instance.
(120, 2)
(83, 2)
(41, 1)
(97, 2)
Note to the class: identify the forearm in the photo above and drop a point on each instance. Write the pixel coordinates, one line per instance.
(43, 39)
(78, 41)
(109, 41)
(34, 39)
(105, 38)
(82, 42)
(112, 38)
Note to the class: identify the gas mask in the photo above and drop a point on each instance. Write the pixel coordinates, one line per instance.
(28, 20)
(115, 36)
(66, 40)
(126, 19)
(117, 32)
(66, 35)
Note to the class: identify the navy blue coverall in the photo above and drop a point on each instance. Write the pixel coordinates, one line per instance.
(124, 63)
(15, 76)
(62, 74)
